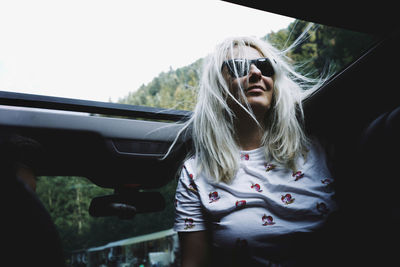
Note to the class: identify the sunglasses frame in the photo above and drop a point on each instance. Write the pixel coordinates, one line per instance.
(242, 66)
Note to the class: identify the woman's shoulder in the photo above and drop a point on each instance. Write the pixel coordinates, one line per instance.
(194, 173)
(188, 168)
(316, 155)
(189, 163)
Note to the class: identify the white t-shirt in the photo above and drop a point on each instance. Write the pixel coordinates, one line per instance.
(263, 206)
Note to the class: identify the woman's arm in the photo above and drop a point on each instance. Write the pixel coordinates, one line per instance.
(194, 248)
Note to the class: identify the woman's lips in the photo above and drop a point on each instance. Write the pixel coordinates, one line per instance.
(255, 89)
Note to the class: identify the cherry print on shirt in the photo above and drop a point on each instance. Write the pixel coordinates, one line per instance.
(328, 184)
(192, 187)
(213, 196)
(256, 187)
(297, 175)
(326, 181)
(190, 174)
(287, 199)
(245, 156)
(240, 204)
(267, 220)
(189, 223)
(269, 166)
(322, 208)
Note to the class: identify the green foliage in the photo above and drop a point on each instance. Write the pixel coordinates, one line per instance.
(67, 199)
(322, 47)
(174, 89)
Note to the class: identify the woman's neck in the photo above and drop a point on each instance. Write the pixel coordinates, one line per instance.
(249, 134)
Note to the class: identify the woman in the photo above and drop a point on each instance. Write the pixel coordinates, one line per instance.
(255, 184)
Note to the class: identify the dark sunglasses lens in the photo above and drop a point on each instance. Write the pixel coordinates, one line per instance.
(238, 67)
(265, 66)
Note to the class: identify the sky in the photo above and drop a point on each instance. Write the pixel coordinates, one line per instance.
(103, 49)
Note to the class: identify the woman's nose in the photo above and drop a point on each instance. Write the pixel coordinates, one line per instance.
(254, 73)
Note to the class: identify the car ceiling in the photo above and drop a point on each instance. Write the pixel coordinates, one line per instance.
(365, 17)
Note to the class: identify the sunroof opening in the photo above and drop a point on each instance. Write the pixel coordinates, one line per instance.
(130, 53)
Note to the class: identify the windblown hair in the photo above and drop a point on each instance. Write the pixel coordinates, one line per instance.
(212, 124)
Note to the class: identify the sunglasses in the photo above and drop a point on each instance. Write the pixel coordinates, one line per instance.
(239, 67)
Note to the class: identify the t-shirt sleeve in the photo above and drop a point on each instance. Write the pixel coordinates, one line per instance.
(188, 209)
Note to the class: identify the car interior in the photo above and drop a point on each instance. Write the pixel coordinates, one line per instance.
(356, 114)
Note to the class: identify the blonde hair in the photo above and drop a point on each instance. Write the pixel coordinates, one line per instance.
(212, 124)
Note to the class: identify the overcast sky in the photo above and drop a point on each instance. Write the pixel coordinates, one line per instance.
(103, 49)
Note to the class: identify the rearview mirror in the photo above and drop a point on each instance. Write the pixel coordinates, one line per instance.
(127, 204)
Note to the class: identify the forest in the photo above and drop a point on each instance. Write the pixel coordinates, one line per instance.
(68, 198)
